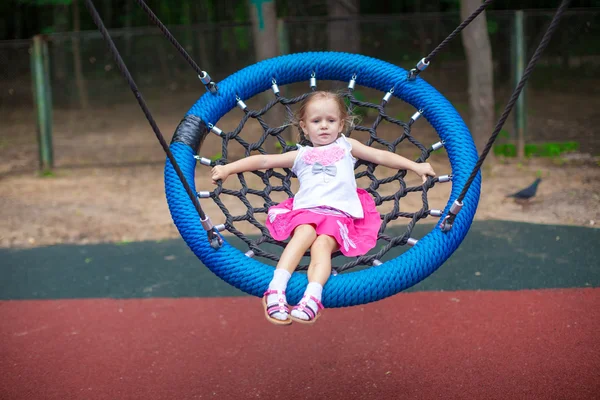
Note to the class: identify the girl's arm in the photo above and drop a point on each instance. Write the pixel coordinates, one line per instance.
(389, 159)
(253, 163)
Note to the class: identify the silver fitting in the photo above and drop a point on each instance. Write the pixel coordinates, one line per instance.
(203, 194)
(215, 130)
(203, 160)
(352, 82)
(205, 78)
(437, 146)
(249, 253)
(207, 223)
(275, 88)
(376, 263)
(411, 241)
(444, 178)
(313, 81)
(220, 227)
(240, 103)
(416, 115)
(456, 207)
(207, 81)
(435, 213)
(421, 65)
(388, 95)
(447, 223)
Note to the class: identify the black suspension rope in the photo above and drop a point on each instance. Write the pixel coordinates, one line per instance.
(417, 70)
(202, 74)
(123, 68)
(462, 26)
(513, 99)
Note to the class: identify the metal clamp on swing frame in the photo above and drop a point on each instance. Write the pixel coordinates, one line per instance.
(421, 65)
(448, 221)
(212, 231)
(208, 82)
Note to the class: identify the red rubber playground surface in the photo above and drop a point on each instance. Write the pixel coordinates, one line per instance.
(527, 344)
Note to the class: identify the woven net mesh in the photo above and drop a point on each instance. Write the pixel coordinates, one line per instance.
(277, 181)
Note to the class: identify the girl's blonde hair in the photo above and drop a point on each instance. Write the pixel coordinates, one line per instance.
(349, 120)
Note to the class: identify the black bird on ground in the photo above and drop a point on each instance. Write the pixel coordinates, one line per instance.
(523, 196)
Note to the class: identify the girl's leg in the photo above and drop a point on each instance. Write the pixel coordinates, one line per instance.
(302, 238)
(319, 271)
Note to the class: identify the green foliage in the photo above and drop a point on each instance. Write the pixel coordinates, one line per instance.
(287, 143)
(402, 116)
(47, 174)
(503, 134)
(46, 2)
(492, 26)
(358, 111)
(461, 107)
(549, 149)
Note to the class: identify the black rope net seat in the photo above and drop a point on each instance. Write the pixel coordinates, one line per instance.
(263, 188)
(243, 269)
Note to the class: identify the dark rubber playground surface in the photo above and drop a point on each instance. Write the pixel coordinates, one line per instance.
(514, 314)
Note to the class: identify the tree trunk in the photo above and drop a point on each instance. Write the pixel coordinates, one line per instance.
(264, 29)
(480, 73)
(81, 84)
(344, 33)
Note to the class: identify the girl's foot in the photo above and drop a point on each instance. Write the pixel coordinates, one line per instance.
(308, 310)
(276, 308)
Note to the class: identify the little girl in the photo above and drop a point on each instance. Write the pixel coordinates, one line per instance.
(329, 212)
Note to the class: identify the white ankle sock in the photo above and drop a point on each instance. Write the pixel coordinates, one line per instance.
(280, 279)
(315, 290)
(279, 282)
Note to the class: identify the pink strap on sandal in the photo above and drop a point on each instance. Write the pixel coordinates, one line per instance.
(312, 314)
(280, 306)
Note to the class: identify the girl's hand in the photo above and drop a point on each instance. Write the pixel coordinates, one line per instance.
(219, 172)
(424, 170)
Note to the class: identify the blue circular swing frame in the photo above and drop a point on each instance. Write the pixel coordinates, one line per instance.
(352, 288)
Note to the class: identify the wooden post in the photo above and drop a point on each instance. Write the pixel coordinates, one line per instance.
(520, 113)
(43, 101)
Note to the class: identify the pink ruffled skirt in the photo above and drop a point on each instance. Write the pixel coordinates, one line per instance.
(355, 236)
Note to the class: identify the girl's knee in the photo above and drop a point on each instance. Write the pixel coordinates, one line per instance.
(324, 242)
(305, 230)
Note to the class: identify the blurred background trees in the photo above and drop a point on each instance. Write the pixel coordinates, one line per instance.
(24, 18)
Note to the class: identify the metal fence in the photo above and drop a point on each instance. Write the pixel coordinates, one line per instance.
(97, 121)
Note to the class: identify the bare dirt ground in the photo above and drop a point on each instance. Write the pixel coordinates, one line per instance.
(108, 184)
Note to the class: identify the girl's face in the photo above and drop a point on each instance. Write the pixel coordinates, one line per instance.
(322, 121)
